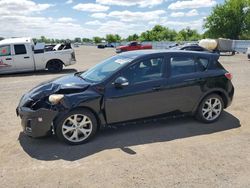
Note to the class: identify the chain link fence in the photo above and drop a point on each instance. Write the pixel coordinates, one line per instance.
(238, 45)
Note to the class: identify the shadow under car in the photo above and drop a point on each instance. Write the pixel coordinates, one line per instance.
(122, 137)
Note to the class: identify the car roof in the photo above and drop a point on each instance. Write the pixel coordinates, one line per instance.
(16, 41)
(143, 53)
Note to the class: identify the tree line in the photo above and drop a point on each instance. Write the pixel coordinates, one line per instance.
(157, 33)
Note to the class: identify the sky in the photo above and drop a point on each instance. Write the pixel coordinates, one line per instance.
(63, 19)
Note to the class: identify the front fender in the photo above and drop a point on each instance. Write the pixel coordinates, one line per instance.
(87, 99)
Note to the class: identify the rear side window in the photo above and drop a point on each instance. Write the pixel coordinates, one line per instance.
(182, 65)
(20, 49)
(5, 50)
(202, 64)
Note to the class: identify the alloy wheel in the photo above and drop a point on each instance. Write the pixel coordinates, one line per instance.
(211, 109)
(77, 127)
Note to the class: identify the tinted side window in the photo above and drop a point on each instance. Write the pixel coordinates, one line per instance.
(20, 49)
(182, 65)
(5, 50)
(202, 64)
(133, 44)
(146, 70)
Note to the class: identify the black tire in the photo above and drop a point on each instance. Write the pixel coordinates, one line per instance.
(60, 121)
(199, 113)
(55, 66)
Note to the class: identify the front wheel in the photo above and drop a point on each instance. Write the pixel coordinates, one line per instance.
(210, 109)
(76, 127)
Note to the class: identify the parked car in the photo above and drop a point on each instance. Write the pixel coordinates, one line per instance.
(101, 46)
(109, 45)
(132, 46)
(21, 55)
(127, 87)
(191, 47)
(105, 45)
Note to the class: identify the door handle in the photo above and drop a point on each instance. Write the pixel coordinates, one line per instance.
(8, 58)
(156, 88)
(191, 80)
(26, 57)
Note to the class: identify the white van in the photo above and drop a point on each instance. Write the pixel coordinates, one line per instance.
(18, 55)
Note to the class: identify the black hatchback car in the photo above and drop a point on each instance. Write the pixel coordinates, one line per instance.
(125, 87)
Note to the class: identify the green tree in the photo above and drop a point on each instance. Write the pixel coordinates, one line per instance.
(158, 33)
(229, 20)
(132, 37)
(86, 40)
(113, 38)
(188, 35)
(77, 40)
(97, 39)
(145, 36)
(1, 38)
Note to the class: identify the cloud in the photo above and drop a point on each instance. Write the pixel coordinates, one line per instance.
(24, 7)
(116, 27)
(141, 3)
(177, 14)
(99, 15)
(191, 4)
(95, 22)
(65, 19)
(193, 12)
(69, 2)
(128, 16)
(20, 19)
(190, 13)
(178, 25)
(28, 26)
(91, 7)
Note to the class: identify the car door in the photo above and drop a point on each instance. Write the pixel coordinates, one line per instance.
(143, 96)
(185, 82)
(22, 59)
(6, 60)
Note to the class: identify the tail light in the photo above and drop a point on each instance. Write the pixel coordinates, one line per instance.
(229, 76)
(73, 57)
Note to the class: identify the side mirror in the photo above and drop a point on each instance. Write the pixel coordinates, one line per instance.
(121, 82)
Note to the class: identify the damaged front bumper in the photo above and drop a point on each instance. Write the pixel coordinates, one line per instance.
(36, 123)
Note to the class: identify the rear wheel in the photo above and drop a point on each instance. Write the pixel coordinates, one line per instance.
(210, 109)
(55, 66)
(76, 127)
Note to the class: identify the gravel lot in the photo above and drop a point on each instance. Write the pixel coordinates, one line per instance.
(170, 153)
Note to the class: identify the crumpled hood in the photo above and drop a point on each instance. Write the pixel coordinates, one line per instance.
(64, 84)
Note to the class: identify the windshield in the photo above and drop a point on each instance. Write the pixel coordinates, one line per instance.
(105, 69)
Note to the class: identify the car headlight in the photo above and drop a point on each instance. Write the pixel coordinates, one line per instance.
(55, 98)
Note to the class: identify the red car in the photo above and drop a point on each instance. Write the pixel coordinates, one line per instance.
(132, 46)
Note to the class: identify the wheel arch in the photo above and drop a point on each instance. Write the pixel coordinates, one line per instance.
(54, 60)
(80, 108)
(219, 92)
